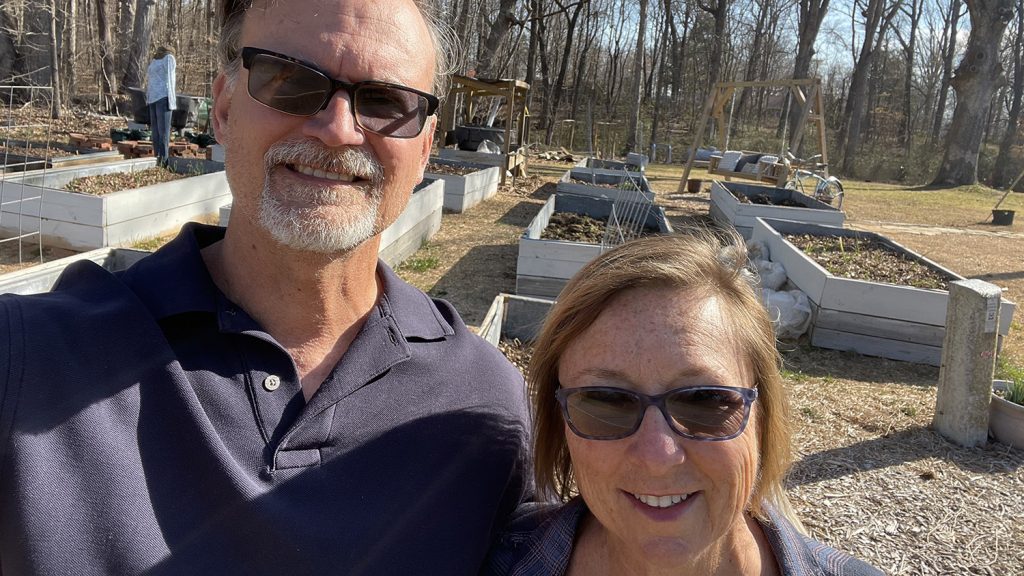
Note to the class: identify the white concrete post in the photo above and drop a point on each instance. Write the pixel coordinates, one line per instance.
(968, 362)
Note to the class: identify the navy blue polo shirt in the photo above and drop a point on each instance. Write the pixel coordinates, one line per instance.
(149, 425)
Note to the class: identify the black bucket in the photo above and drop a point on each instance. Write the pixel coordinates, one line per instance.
(1002, 217)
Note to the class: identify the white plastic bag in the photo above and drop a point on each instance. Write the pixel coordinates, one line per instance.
(772, 274)
(757, 250)
(790, 312)
(488, 147)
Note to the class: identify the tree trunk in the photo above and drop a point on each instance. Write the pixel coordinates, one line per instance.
(108, 79)
(35, 43)
(563, 67)
(720, 12)
(486, 62)
(878, 15)
(8, 55)
(70, 51)
(125, 21)
(138, 54)
(950, 29)
(638, 78)
(1005, 170)
(977, 77)
(812, 13)
(55, 91)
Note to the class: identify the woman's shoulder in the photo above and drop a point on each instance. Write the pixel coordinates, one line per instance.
(537, 540)
(799, 555)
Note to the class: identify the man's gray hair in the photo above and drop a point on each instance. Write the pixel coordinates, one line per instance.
(231, 15)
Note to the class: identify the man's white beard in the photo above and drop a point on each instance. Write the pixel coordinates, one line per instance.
(321, 221)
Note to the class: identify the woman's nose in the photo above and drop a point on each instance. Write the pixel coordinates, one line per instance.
(655, 445)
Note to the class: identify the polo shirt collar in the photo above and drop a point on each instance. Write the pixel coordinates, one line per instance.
(174, 280)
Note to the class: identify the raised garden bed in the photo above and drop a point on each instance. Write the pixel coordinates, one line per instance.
(41, 278)
(420, 220)
(466, 184)
(514, 317)
(872, 318)
(84, 221)
(728, 207)
(604, 183)
(545, 266)
(22, 156)
(472, 157)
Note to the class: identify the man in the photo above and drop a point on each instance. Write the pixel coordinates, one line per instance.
(269, 400)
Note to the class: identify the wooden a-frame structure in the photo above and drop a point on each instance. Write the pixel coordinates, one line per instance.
(806, 91)
(514, 92)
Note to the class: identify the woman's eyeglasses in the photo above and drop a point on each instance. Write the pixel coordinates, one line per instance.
(295, 87)
(695, 412)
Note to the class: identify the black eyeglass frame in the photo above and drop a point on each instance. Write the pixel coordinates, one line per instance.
(249, 53)
(749, 395)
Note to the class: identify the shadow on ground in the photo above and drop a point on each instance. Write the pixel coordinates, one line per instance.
(473, 282)
(520, 215)
(822, 363)
(904, 446)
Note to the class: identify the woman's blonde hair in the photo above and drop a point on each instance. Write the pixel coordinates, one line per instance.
(162, 51)
(712, 264)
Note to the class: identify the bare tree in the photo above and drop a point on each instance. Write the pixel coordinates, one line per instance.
(142, 31)
(951, 21)
(486, 62)
(977, 76)
(719, 10)
(638, 78)
(913, 11)
(107, 77)
(878, 15)
(1004, 169)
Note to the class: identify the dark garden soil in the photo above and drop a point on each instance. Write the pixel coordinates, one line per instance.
(867, 259)
(16, 154)
(589, 183)
(574, 228)
(106, 183)
(765, 200)
(449, 170)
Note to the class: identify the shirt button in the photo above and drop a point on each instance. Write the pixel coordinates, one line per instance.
(271, 383)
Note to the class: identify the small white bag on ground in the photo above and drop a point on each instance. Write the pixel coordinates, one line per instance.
(790, 312)
(772, 274)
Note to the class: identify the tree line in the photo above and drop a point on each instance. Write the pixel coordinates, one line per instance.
(916, 90)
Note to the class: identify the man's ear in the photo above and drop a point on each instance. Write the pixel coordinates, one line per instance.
(428, 141)
(222, 92)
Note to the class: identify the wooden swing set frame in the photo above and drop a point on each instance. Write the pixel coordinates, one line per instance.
(807, 92)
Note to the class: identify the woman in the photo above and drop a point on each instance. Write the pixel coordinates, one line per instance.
(661, 425)
(162, 99)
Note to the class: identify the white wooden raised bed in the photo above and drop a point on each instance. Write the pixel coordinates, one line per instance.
(60, 157)
(727, 209)
(514, 317)
(85, 221)
(567, 185)
(38, 279)
(463, 192)
(420, 220)
(591, 162)
(871, 318)
(545, 266)
(473, 157)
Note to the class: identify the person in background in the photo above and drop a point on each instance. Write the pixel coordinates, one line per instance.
(662, 425)
(270, 398)
(161, 98)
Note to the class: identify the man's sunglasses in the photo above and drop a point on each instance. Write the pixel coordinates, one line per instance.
(298, 88)
(695, 412)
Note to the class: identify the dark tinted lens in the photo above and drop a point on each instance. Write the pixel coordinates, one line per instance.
(287, 86)
(603, 413)
(390, 111)
(707, 412)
